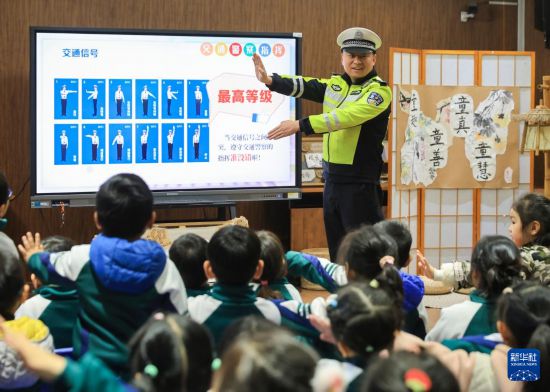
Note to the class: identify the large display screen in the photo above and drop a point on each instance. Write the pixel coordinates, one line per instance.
(181, 109)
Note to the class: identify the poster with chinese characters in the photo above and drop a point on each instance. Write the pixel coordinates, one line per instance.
(456, 137)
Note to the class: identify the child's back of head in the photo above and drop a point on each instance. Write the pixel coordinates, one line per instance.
(57, 243)
(188, 252)
(246, 327)
(524, 310)
(402, 237)
(272, 254)
(234, 252)
(273, 362)
(11, 282)
(404, 371)
(496, 264)
(171, 353)
(370, 253)
(124, 205)
(360, 307)
(4, 189)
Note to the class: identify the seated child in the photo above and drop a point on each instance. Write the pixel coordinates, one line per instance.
(13, 373)
(234, 261)
(273, 282)
(168, 353)
(5, 197)
(56, 306)
(405, 371)
(188, 252)
(357, 308)
(496, 264)
(523, 314)
(121, 279)
(360, 256)
(272, 362)
(331, 275)
(529, 229)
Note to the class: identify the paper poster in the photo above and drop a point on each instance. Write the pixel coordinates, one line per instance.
(456, 137)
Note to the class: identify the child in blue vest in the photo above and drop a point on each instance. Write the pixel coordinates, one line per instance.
(273, 282)
(121, 279)
(168, 353)
(234, 261)
(496, 264)
(56, 306)
(188, 252)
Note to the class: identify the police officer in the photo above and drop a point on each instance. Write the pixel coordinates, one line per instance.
(356, 109)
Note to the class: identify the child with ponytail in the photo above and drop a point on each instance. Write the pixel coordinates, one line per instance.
(164, 352)
(496, 264)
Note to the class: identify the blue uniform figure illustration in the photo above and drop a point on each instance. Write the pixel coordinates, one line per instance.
(93, 143)
(147, 137)
(172, 90)
(197, 135)
(172, 142)
(66, 144)
(66, 103)
(120, 150)
(147, 90)
(197, 99)
(93, 98)
(120, 93)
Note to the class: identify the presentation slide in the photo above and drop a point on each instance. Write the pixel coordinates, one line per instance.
(185, 112)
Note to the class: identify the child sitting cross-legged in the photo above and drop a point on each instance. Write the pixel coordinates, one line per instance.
(121, 279)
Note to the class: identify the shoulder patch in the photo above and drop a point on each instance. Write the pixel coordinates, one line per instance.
(375, 99)
(335, 87)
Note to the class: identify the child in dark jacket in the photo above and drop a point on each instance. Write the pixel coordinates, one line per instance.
(120, 278)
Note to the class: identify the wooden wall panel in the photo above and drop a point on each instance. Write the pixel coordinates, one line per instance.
(428, 24)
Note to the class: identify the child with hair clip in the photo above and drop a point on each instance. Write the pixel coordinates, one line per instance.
(273, 282)
(331, 275)
(404, 372)
(523, 314)
(267, 362)
(496, 264)
(188, 252)
(364, 320)
(529, 229)
(56, 306)
(164, 353)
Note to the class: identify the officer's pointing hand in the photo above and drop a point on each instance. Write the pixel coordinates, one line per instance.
(261, 73)
(284, 129)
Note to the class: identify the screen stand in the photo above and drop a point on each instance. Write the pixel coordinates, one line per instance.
(227, 211)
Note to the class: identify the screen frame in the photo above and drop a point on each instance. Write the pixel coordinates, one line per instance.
(165, 197)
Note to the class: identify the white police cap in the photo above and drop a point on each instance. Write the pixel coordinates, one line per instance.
(358, 40)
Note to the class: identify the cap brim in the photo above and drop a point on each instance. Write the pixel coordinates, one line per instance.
(356, 50)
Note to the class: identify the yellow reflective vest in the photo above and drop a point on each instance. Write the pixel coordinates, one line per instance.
(353, 123)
